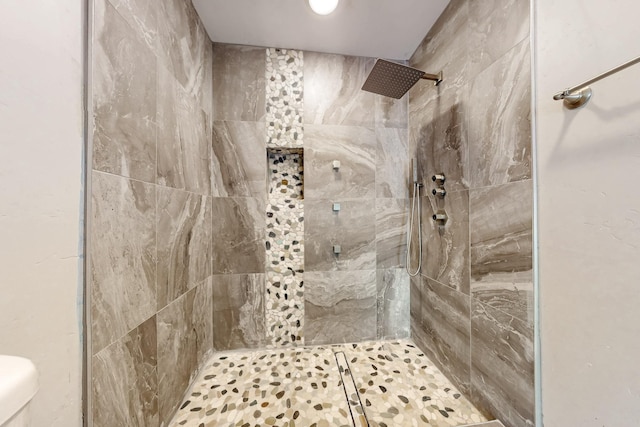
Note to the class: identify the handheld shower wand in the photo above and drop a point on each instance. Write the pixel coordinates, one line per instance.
(416, 195)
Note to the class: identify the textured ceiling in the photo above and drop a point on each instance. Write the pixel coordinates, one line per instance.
(389, 29)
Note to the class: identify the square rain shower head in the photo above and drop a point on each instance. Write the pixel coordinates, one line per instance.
(394, 80)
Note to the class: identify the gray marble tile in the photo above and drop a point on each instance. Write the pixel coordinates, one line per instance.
(467, 38)
(391, 232)
(501, 225)
(439, 140)
(499, 121)
(393, 304)
(182, 44)
(446, 322)
(238, 235)
(239, 83)
(239, 159)
(415, 301)
(206, 93)
(124, 382)
(123, 256)
(392, 163)
(502, 366)
(185, 341)
(390, 112)
(184, 144)
(184, 242)
(354, 147)
(238, 311)
(124, 98)
(340, 307)
(141, 15)
(353, 228)
(332, 93)
(498, 25)
(451, 47)
(445, 252)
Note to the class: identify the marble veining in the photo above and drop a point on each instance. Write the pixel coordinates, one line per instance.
(501, 343)
(124, 381)
(501, 224)
(500, 120)
(238, 159)
(392, 163)
(354, 147)
(182, 44)
(340, 306)
(239, 83)
(238, 230)
(353, 228)
(238, 311)
(438, 134)
(392, 218)
(393, 304)
(185, 341)
(142, 16)
(446, 248)
(184, 147)
(446, 323)
(124, 98)
(184, 242)
(332, 90)
(123, 256)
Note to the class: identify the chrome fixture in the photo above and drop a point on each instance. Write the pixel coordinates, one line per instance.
(439, 178)
(579, 95)
(336, 164)
(440, 217)
(416, 196)
(336, 207)
(337, 249)
(439, 192)
(394, 80)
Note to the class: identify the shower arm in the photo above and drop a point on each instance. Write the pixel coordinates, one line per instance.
(437, 78)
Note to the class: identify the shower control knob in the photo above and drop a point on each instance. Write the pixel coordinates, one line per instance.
(440, 217)
(440, 192)
(438, 178)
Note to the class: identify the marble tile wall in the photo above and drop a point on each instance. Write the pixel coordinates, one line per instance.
(368, 135)
(313, 102)
(151, 208)
(474, 308)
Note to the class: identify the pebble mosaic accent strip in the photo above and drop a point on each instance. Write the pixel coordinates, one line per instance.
(285, 250)
(284, 96)
(397, 384)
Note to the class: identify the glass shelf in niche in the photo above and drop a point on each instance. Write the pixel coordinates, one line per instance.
(286, 173)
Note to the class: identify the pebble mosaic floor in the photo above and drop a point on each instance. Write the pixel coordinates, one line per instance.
(377, 384)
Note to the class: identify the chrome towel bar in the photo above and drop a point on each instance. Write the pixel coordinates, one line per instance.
(579, 95)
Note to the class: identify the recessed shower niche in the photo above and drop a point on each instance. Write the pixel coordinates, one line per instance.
(285, 247)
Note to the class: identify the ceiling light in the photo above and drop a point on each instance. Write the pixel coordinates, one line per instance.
(323, 7)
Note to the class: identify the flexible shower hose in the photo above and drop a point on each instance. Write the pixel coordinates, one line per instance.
(416, 195)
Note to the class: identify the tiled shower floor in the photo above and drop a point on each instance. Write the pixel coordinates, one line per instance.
(366, 384)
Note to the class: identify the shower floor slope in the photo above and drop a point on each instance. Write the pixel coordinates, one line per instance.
(366, 384)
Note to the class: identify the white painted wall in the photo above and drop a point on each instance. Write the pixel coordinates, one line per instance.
(589, 214)
(40, 198)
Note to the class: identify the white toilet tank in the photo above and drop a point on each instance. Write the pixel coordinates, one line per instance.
(18, 385)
